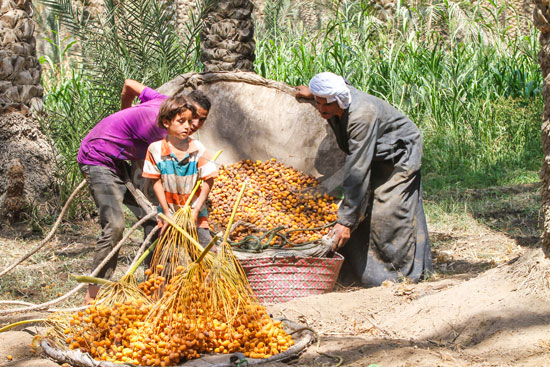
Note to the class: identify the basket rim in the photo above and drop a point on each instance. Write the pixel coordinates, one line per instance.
(336, 257)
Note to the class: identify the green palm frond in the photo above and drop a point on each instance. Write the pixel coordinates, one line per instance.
(130, 39)
(72, 14)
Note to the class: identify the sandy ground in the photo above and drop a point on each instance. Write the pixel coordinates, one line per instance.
(487, 304)
(498, 318)
(494, 319)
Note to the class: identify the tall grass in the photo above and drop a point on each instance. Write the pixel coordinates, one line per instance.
(470, 84)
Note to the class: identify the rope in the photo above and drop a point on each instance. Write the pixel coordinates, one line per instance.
(252, 243)
(193, 80)
(333, 356)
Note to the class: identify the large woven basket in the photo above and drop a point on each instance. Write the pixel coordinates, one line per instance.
(281, 278)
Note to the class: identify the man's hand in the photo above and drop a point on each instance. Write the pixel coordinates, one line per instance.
(303, 91)
(340, 235)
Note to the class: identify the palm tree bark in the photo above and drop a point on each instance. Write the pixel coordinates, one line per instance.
(26, 158)
(19, 67)
(541, 18)
(227, 37)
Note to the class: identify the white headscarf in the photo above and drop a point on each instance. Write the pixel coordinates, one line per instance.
(332, 87)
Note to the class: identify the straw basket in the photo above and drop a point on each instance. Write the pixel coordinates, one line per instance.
(280, 278)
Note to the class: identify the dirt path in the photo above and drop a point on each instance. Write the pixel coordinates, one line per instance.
(487, 303)
(495, 319)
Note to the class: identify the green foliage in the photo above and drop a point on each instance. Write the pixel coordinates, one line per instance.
(55, 63)
(471, 85)
(133, 39)
(281, 14)
(73, 111)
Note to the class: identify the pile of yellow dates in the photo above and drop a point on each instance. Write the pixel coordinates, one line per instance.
(126, 333)
(276, 195)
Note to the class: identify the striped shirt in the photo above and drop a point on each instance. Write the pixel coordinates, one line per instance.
(179, 177)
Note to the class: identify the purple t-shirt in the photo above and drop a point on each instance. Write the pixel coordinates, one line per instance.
(124, 135)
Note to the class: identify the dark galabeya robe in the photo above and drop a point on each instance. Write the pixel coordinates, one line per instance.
(382, 192)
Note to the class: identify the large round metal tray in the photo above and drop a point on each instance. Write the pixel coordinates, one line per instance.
(303, 337)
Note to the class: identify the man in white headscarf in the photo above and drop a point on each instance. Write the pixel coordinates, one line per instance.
(381, 220)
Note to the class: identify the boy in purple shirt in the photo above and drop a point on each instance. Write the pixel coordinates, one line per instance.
(124, 135)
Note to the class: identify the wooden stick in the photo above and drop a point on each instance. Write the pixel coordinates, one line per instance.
(52, 231)
(206, 249)
(23, 322)
(89, 279)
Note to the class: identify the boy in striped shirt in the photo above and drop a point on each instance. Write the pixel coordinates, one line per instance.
(177, 162)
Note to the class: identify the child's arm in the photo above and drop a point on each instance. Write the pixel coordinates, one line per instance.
(205, 190)
(159, 192)
(130, 90)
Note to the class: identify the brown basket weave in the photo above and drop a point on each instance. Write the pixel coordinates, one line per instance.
(281, 278)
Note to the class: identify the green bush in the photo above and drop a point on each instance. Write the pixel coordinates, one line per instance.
(472, 86)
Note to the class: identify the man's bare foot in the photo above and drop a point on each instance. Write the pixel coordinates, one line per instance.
(90, 294)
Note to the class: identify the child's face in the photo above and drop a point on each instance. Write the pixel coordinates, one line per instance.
(180, 126)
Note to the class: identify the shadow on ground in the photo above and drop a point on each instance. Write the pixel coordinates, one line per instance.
(364, 351)
(509, 217)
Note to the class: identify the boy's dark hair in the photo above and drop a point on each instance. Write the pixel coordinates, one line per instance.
(198, 97)
(173, 106)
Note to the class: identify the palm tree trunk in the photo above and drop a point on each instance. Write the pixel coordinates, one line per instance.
(541, 17)
(26, 158)
(20, 70)
(227, 37)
